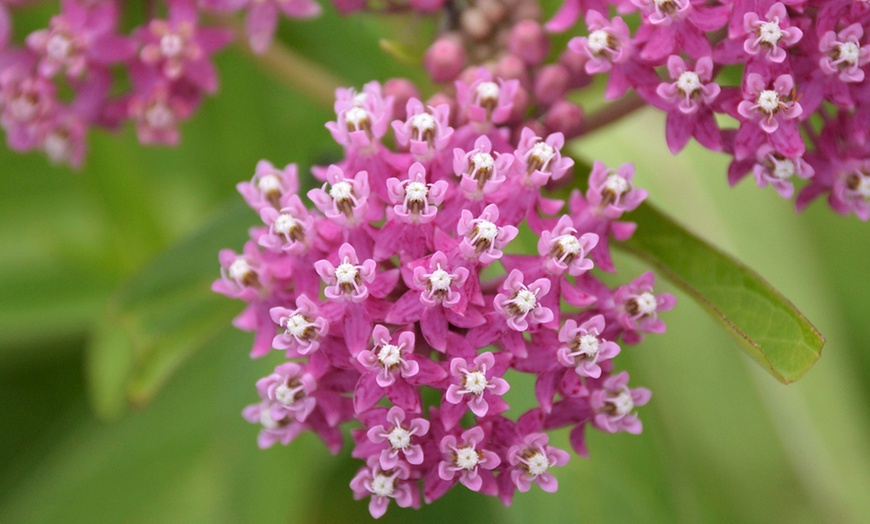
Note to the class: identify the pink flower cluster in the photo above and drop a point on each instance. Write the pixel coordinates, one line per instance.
(64, 79)
(790, 73)
(406, 280)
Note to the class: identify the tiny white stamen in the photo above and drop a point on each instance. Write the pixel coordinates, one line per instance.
(440, 280)
(770, 32)
(269, 183)
(423, 122)
(58, 47)
(239, 268)
(416, 191)
(284, 224)
(171, 45)
(345, 273)
(589, 345)
(382, 485)
(475, 382)
(783, 169)
(488, 91)
(341, 191)
(569, 244)
(768, 101)
(487, 230)
(525, 300)
(467, 458)
(622, 402)
(356, 117)
(849, 52)
(482, 161)
(646, 303)
(266, 419)
(543, 153)
(537, 464)
(688, 82)
(399, 437)
(286, 395)
(296, 325)
(390, 355)
(597, 40)
(617, 184)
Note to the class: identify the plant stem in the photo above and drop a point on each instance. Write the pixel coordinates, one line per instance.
(294, 70)
(612, 112)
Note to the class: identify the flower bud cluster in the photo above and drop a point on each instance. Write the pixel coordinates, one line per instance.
(406, 306)
(66, 78)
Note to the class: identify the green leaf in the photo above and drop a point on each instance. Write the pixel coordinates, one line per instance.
(765, 324)
(162, 316)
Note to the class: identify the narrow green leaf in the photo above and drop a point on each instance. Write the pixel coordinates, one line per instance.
(765, 324)
(162, 316)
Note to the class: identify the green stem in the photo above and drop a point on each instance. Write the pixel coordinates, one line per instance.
(612, 112)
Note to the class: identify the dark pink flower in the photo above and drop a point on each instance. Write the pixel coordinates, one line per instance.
(415, 200)
(397, 437)
(349, 279)
(520, 304)
(467, 458)
(583, 348)
(382, 485)
(531, 461)
(770, 35)
(303, 327)
(614, 404)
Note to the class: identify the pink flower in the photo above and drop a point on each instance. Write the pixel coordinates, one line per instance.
(303, 327)
(614, 405)
(346, 201)
(690, 88)
(564, 251)
(486, 100)
(270, 185)
(481, 173)
(440, 284)
(638, 307)
(382, 485)
(466, 457)
(608, 43)
(777, 170)
(611, 192)
(769, 107)
(542, 159)
(771, 35)
(288, 391)
(290, 228)
(415, 201)
(424, 131)
(483, 240)
(348, 280)
(362, 118)
(583, 348)
(531, 462)
(521, 304)
(474, 385)
(398, 438)
(390, 358)
(844, 54)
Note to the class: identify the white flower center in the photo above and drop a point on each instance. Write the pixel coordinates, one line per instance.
(359, 99)
(268, 184)
(646, 303)
(382, 485)
(345, 273)
(768, 101)
(286, 395)
(569, 244)
(440, 280)
(341, 191)
(390, 355)
(159, 116)
(58, 47)
(616, 184)
(284, 224)
(266, 419)
(537, 464)
(849, 52)
(483, 161)
(57, 147)
(597, 40)
(356, 116)
(467, 458)
(589, 345)
(770, 33)
(239, 269)
(525, 300)
(487, 230)
(542, 152)
(475, 382)
(171, 45)
(622, 402)
(783, 169)
(689, 82)
(296, 325)
(423, 122)
(399, 437)
(416, 191)
(487, 91)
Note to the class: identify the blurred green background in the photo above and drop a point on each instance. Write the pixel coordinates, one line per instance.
(723, 441)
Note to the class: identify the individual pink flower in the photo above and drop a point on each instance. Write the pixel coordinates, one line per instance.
(483, 240)
(614, 404)
(777, 170)
(425, 131)
(415, 200)
(486, 100)
(770, 35)
(851, 191)
(349, 279)
(611, 192)
(398, 437)
(439, 284)
(362, 118)
(583, 348)
(303, 327)
(382, 485)
(289, 389)
(270, 185)
(542, 159)
(466, 457)
(531, 461)
(638, 307)
(346, 200)
(388, 358)
(481, 172)
(844, 54)
(290, 228)
(690, 89)
(564, 251)
(158, 110)
(475, 385)
(521, 304)
(284, 430)
(608, 43)
(241, 275)
(769, 106)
